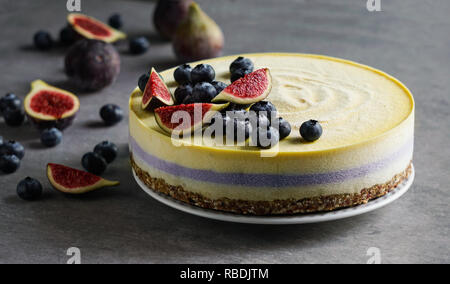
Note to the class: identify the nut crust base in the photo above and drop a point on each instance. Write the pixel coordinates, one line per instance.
(275, 207)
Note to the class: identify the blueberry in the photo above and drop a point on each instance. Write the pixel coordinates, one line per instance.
(264, 108)
(143, 80)
(43, 40)
(29, 189)
(284, 128)
(67, 35)
(183, 74)
(12, 148)
(220, 86)
(239, 130)
(259, 121)
(9, 101)
(51, 137)
(94, 163)
(238, 114)
(190, 100)
(9, 163)
(14, 117)
(203, 73)
(241, 63)
(111, 114)
(238, 74)
(267, 137)
(204, 92)
(107, 150)
(115, 21)
(311, 130)
(222, 118)
(182, 92)
(139, 45)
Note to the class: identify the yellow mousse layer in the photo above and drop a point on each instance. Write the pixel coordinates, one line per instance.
(367, 118)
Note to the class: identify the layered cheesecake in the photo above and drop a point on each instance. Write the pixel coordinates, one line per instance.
(365, 150)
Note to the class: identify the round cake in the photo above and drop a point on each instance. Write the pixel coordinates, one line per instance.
(365, 150)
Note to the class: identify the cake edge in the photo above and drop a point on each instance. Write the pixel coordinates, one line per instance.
(275, 207)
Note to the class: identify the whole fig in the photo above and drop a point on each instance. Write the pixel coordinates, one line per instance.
(198, 36)
(168, 15)
(92, 64)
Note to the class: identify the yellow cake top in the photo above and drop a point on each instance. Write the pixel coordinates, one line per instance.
(354, 103)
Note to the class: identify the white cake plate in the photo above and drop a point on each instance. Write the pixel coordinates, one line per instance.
(282, 220)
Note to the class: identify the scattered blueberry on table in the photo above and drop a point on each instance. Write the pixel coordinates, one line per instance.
(12, 147)
(94, 163)
(116, 21)
(51, 137)
(9, 163)
(29, 189)
(9, 101)
(43, 40)
(139, 45)
(111, 114)
(107, 150)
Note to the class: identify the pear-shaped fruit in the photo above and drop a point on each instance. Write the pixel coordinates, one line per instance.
(168, 15)
(198, 36)
(73, 181)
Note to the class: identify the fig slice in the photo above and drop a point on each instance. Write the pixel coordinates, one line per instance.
(73, 181)
(156, 88)
(92, 28)
(251, 88)
(199, 115)
(48, 106)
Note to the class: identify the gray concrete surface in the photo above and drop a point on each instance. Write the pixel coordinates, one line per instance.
(408, 39)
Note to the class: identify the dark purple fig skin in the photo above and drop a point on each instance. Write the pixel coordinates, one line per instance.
(92, 64)
(61, 124)
(168, 15)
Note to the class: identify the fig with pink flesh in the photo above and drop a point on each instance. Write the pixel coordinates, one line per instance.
(91, 28)
(92, 64)
(48, 106)
(252, 88)
(198, 36)
(168, 15)
(73, 181)
(156, 91)
(187, 117)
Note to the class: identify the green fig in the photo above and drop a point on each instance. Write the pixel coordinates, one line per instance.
(198, 36)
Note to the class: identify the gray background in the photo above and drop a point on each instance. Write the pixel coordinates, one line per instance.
(408, 39)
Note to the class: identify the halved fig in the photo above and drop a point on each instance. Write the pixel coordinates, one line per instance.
(48, 106)
(156, 89)
(251, 88)
(92, 28)
(186, 118)
(73, 181)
